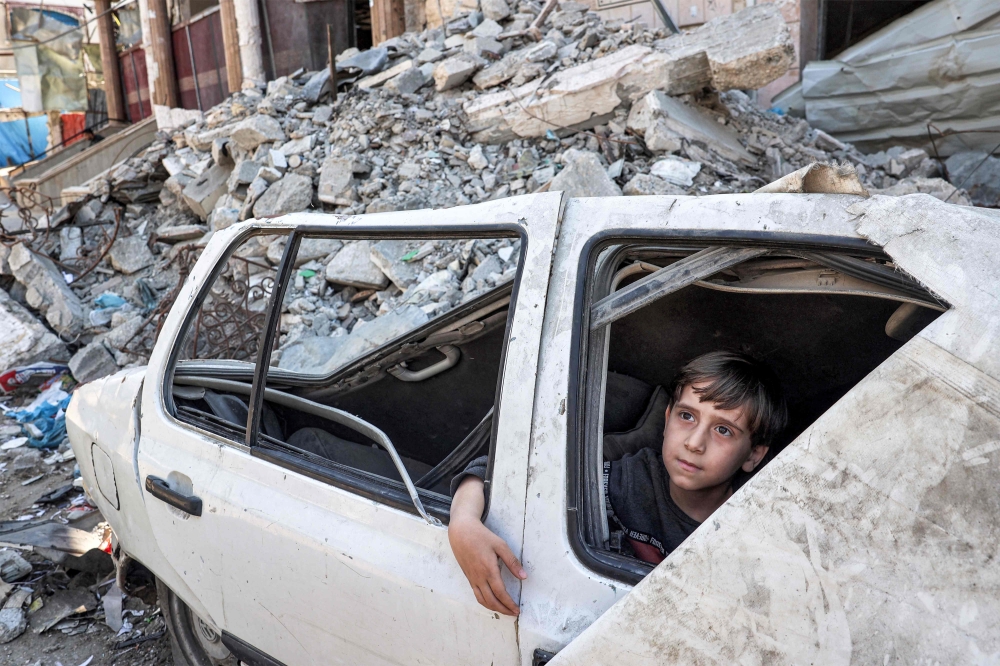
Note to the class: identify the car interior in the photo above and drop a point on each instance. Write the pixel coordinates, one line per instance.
(819, 321)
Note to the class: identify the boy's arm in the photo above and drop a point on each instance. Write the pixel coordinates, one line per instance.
(477, 549)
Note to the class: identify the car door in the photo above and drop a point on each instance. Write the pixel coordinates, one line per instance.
(306, 572)
(865, 539)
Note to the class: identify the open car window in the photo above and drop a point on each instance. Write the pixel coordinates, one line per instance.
(386, 358)
(822, 320)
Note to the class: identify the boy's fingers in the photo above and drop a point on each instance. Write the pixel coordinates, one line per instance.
(500, 593)
(507, 555)
(490, 600)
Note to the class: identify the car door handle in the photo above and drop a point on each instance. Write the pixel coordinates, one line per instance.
(159, 489)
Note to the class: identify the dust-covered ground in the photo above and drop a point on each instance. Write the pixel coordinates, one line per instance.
(82, 637)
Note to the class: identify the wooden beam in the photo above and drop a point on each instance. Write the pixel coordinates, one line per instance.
(164, 81)
(114, 98)
(231, 45)
(388, 19)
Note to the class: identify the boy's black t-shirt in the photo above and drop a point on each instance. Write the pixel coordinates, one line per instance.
(637, 489)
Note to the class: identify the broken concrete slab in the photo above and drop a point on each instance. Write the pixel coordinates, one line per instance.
(409, 82)
(388, 256)
(378, 79)
(746, 50)
(323, 355)
(978, 174)
(354, 267)
(92, 362)
(495, 10)
(255, 130)
(818, 179)
(181, 232)
(676, 170)
(582, 96)
(131, 254)
(291, 194)
(23, 339)
(202, 193)
(46, 290)
(689, 122)
(646, 185)
(455, 71)
(584, 176)
(336, 182)
(298, 146)
(936, 187)
(12, 624)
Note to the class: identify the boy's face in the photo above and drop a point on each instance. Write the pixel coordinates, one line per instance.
(704, 446)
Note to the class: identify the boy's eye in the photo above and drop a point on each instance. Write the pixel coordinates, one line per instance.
(724, 431)
(686, 416)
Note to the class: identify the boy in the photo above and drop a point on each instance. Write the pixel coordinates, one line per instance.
(725, 410)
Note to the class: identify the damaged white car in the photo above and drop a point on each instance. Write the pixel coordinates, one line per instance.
(298, 515)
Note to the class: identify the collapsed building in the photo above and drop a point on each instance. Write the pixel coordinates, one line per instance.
(471, 111)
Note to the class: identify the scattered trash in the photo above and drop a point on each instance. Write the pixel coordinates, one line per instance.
(44, 418)
(30, 376)
(60, 606)
(28, 482)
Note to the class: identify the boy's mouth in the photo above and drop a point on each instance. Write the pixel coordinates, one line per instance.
(688, 467)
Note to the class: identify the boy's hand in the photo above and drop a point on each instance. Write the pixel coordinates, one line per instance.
(477, 549)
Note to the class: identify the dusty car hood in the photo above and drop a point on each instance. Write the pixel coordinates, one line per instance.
(871, 537)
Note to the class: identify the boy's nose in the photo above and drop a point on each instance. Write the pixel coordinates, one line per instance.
(695, 442)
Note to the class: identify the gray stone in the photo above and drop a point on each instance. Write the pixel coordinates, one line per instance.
(255, 130)
(180, 232)
(369, 62)
(278, 159)
(488, 28)
(130, 254)
(12, 624)
(92, 362)
(541, 52)
(122, 334)
(644, 185)
(584, 176)
(336, 182)
(221, 153)
(46, 290)
(408, 82)
(323, 355)
(322, 114)
(978, 175)
(314, 249)
(936, 187)
(662, 139)
(455, 71)
(429, 54)
(70, 242)
(354, 267)
(491, 265)
(201, 194)
(298, 146)
(222, 218)
(477, 160)
(500, 71)
(291, 194)
(23, 339)
(689, 122)
(484, 46)
(13, 567)
(388, 256)
(243, 174)
(495, 10)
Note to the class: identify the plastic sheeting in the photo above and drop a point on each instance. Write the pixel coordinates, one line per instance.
(48, 50)
(14, 134)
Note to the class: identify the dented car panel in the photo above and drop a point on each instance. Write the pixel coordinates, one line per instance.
(869, 536)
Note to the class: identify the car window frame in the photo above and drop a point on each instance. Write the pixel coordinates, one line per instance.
(370, 486)
(584, 502)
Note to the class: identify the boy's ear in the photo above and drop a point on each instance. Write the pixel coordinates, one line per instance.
(757, 454)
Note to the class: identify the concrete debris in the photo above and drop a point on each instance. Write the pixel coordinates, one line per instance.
(819, 179)
(23, 339)
(584, 176)
(470, 111)
(978, 174)
(92, 362)
(13, 622)
(288, 195)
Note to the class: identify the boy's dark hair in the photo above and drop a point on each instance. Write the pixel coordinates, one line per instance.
(736, 381)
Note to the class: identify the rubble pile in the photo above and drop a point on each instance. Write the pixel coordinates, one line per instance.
(500, 101)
